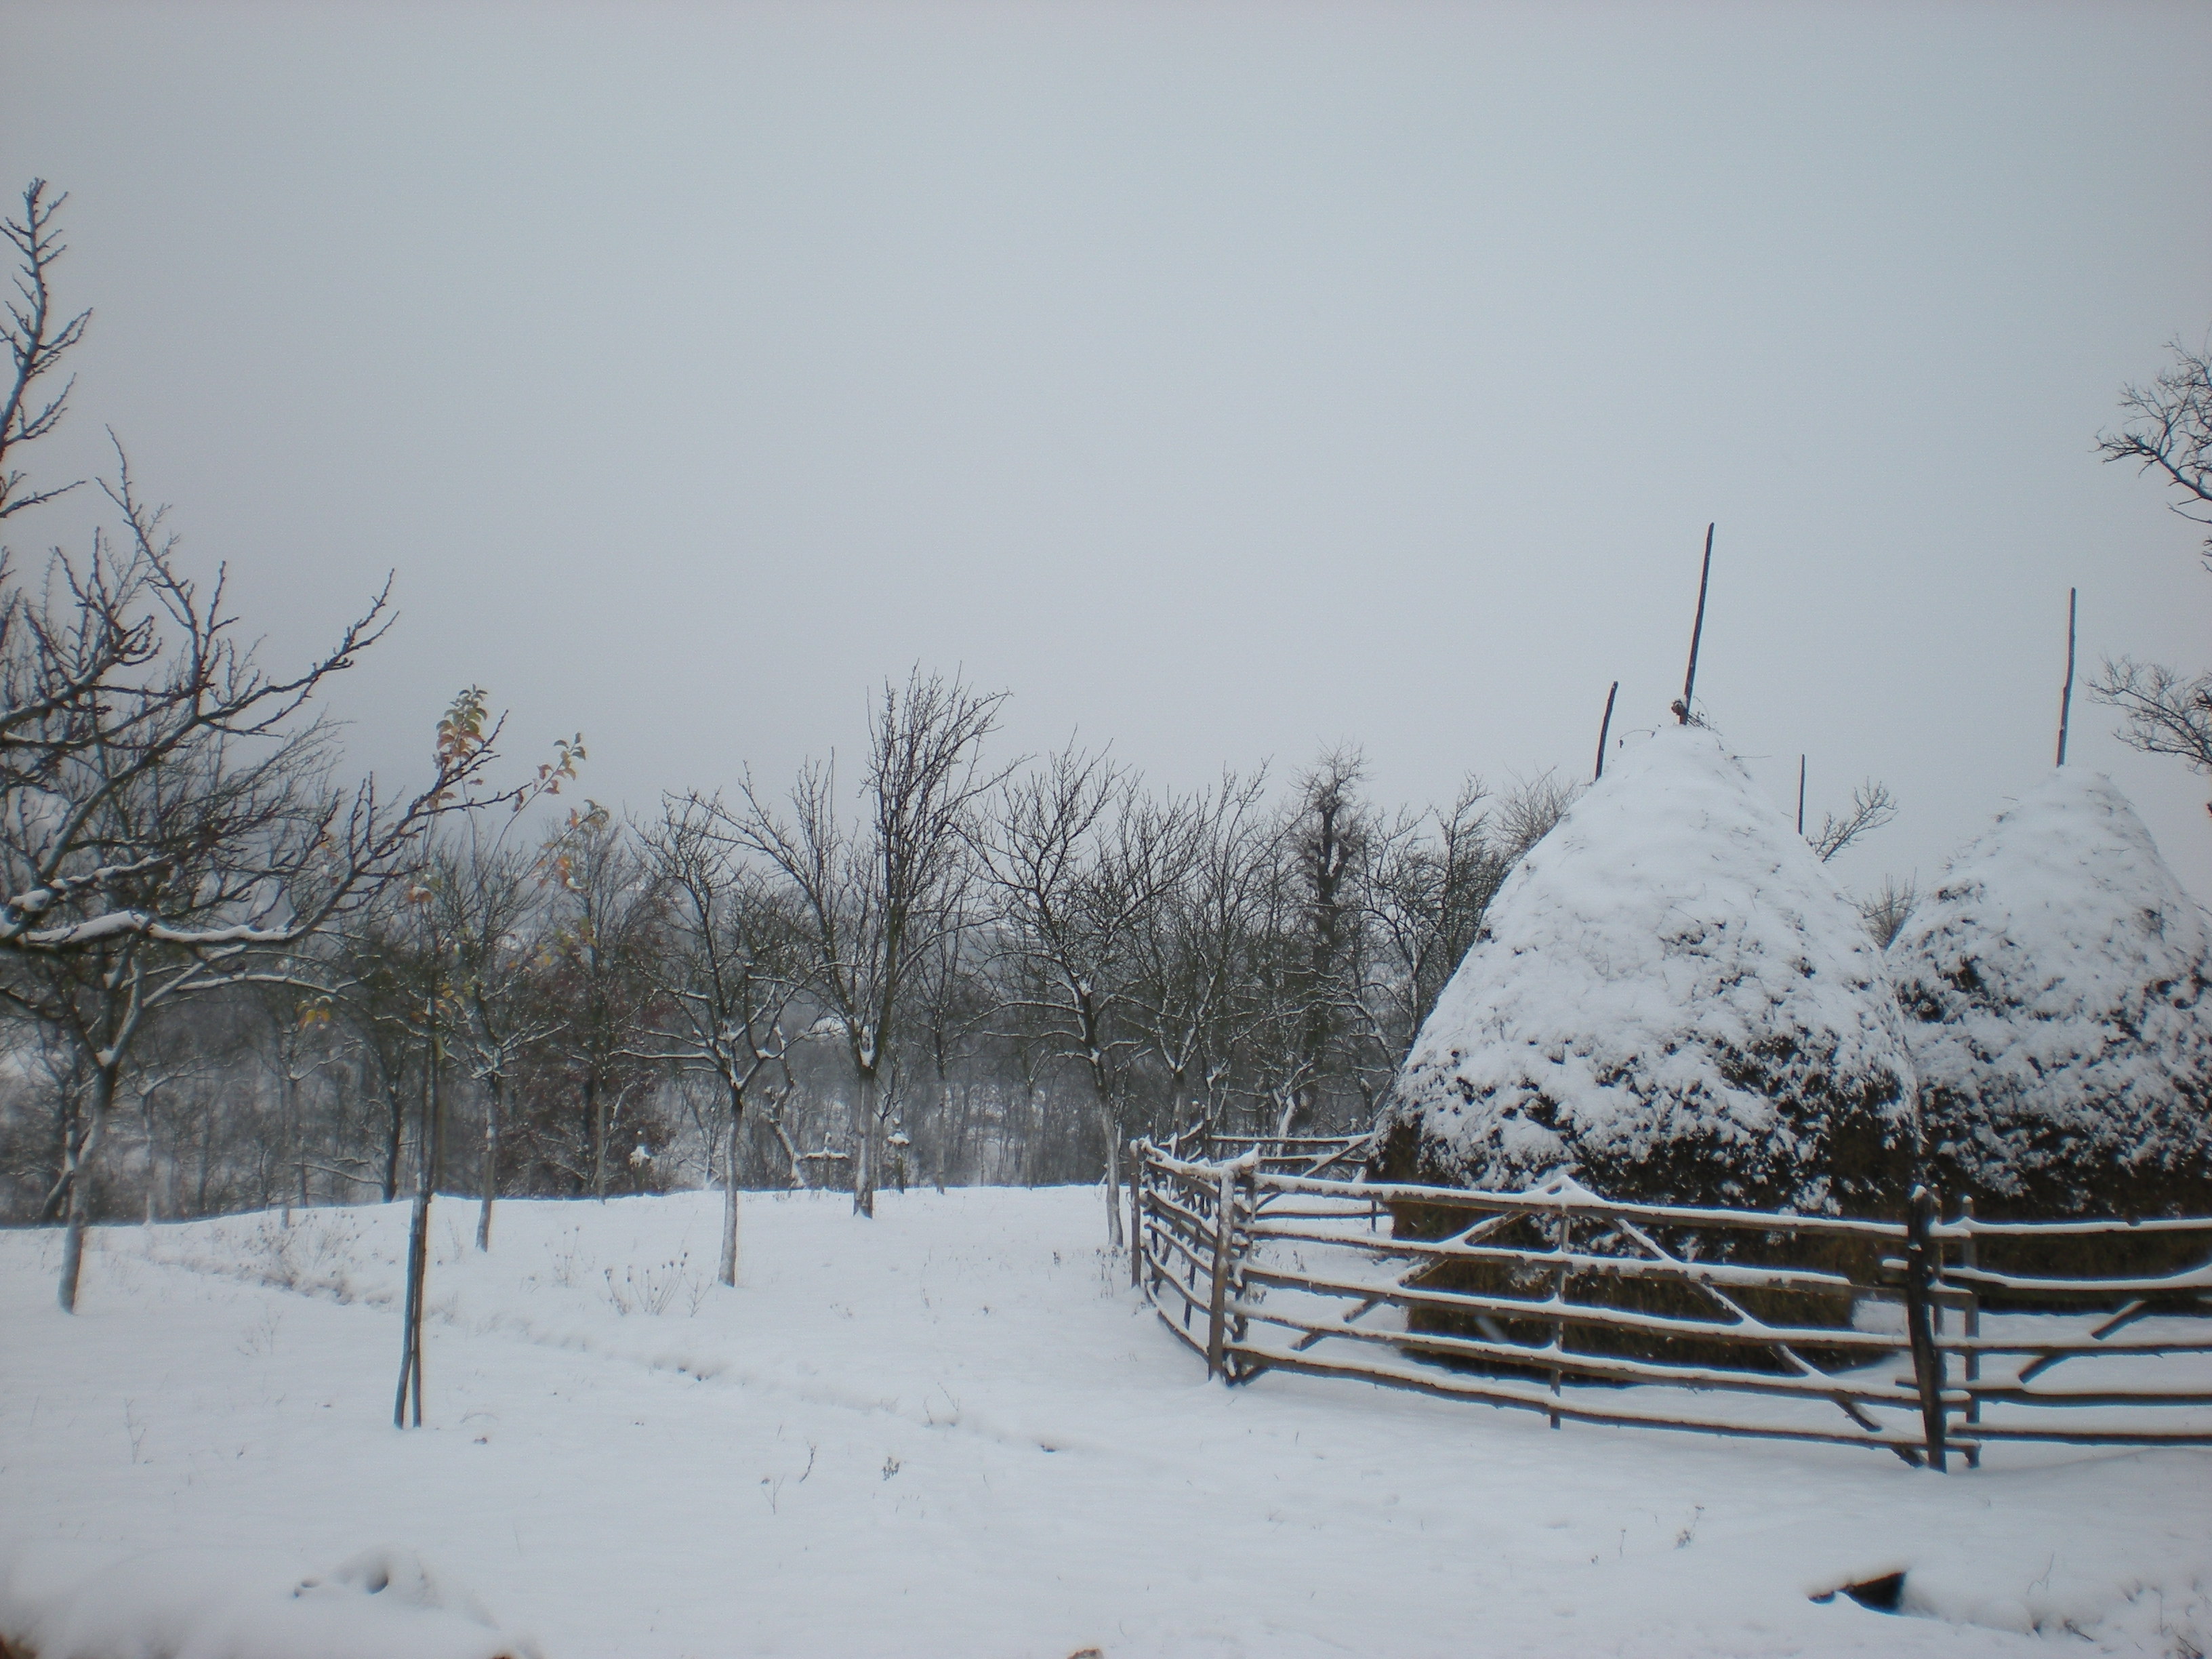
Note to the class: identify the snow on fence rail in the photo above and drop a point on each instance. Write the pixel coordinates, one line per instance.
(1914, 1337)
(1306, 1155)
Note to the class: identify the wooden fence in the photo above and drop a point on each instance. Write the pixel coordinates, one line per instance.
(1915, 1337)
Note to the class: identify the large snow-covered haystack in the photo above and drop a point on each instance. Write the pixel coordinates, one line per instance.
(1672, 1001)
(2057, 991)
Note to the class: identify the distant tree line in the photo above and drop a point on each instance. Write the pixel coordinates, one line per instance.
(965, 977)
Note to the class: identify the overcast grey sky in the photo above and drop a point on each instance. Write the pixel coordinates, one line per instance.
(1222, 380)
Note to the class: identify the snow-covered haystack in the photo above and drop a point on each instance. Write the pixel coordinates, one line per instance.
(1670, 1001)
(2058, 994)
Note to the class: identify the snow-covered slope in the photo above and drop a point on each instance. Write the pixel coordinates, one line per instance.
(2056, 989)
(69, 1599)
(1671, 999)
(953, 1432)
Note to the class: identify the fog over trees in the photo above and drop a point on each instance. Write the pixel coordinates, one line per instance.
(601, 1006)
(232, 976)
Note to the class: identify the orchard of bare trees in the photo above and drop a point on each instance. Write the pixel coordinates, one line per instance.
(233, 975)
(950, 970)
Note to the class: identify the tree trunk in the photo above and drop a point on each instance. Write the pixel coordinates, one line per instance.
(292, 1138)
(730, 1190)
(80, 1183)
(207, 1156)
(490, 1163)
(1110, 1120)
(595, 1115)
(864, 1145)
(56, 1204)
(1113, 1236)
(394, 1132)
(794, 1176)
(153, 1167)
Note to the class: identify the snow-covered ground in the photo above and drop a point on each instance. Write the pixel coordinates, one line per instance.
(955, 1430)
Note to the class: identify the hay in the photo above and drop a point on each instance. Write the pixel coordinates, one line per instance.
(1671, 1001)
(2058, 990)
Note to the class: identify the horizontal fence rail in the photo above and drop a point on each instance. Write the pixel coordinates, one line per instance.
(1921, 1337)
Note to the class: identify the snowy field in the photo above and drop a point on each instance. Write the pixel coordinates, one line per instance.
(954, 1431)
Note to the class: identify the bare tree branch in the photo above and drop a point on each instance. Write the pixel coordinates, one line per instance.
(2169, 432)
(1872, 807)
(37, 339)
(2161, 712)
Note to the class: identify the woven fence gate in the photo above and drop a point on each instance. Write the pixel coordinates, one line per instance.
(1921, 1338)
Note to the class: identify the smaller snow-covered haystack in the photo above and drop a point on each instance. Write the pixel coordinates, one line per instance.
(1672, 1001)
(2058, 990)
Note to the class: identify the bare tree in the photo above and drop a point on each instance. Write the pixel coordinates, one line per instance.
(2162, 712)
(443, 941)
(874, 897)
(1888, 908)
(197, 837)
(1076, 858)
(176, 822)
(488, 894)
(607, 922)
(1528, 811)
(1432, 878)
(38, 338)
(2169, 433)
(1326, 843)
(1872, 807)
(724, 978)
(296, 1051)
(381, 971)
(954, 1004)
(1192, 950)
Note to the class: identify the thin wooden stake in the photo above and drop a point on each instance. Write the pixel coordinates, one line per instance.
(1800, 797)
(409, 1352)
(430, 1151)
(1604, 726)
(2066, 698)
(1697, 632)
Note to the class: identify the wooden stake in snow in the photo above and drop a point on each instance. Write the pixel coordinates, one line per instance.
(1696, 633)
(1801, 795)
(2066, 696)
(430, 1143)
(1604, 726)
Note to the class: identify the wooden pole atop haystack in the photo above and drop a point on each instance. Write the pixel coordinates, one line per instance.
(1604, 726)
(1696, 633)
(2066, 698)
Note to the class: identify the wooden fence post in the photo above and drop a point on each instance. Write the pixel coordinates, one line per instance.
(1921, 1271)
(1560, 1294)
(1225, 1218)
(1137, 1172)
(1970, 1256)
